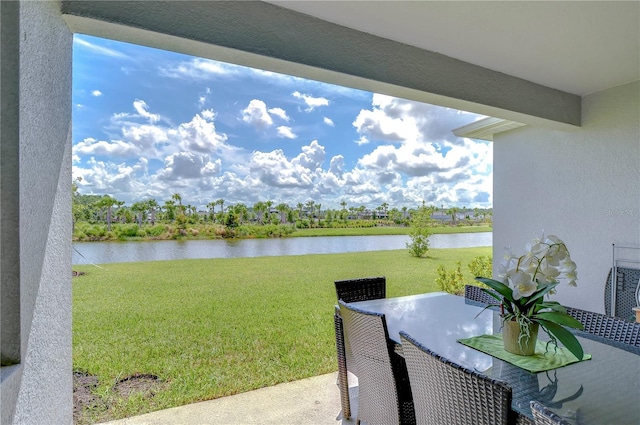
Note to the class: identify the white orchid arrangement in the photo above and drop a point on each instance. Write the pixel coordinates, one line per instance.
(526, 279)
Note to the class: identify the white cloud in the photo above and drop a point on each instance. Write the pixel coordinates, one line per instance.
(203, 98)
(81, 42)
(199, 134)
(275, 170)
(116, 179)
(208, 114)
(400, 121)
(279, 112)
(158, 141)
(199, 69)
(310, 101)
(413, 156)
(379, 124)
(256, 114)
(141, 108)
(115, 148)
(188, 165)
(336, 166)
(362, 141)
(312, 156)
(148, 138)
(96, 93)
(286, 132)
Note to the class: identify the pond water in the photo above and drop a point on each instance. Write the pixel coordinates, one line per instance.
(120, 252)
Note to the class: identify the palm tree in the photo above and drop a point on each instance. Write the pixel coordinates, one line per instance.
(283, 209)
(178, 198)
(107, 203)
(384, 207)
(300, 206)
(212, 210)
(76, 207)
(221, 203)
(122, 213)
(193, 212)
(361, 210)
(476, 213)
(352, 211)
(241, 212)
(139, 208)
(260, 207)
(170, 210)
(453, 212)
(268, 205)
(152, 205)
(310, 208)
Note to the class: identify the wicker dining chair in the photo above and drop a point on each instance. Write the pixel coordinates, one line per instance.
(475, 293)
(447, 393)
(361, 289)
(608, 327)
(351, 290)
(627, 282)
(384, 394)
(543, 416)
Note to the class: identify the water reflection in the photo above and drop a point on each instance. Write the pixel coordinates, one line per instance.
(118, 252)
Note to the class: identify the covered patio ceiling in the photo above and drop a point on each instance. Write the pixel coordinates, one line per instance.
(528, 62)
(578, 47)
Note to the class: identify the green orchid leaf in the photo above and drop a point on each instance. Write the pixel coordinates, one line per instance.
(486, 307)
(494, 294)
(551, 305)
(499, 287)
(559, 318)
(564, 336)
(537, 296)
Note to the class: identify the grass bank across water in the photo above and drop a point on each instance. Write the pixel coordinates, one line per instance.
(215, 327)
(389, 230)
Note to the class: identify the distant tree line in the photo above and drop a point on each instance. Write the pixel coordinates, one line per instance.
(97, 217)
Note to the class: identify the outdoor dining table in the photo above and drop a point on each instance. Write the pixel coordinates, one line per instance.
(602, 390)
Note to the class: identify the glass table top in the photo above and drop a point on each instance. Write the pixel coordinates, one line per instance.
(603, 390)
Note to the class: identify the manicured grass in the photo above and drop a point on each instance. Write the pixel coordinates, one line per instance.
(369, 231)
(210, 328)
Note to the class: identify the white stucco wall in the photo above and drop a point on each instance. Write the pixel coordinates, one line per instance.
(583, 186)
(38, 390)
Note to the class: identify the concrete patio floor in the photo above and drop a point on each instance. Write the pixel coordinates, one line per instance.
(312, 401)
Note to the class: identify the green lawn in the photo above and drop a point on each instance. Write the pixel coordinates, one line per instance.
(210, 328)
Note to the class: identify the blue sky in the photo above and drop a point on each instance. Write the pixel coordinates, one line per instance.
(149, 123)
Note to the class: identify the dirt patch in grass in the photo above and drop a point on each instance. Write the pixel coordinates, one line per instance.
(89, 407)
(85, 400)
(145, 384)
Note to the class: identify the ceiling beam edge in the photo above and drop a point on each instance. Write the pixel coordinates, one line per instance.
(262, 35)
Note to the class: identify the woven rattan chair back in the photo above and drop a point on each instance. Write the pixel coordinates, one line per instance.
(378, 399)
(351, 290)
(608, 327)
(544, 416)
(447, 393)
(361, 289)
(627, 281)
(474, 293)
